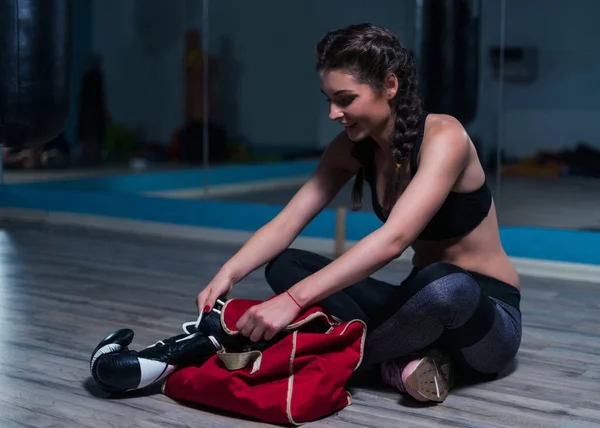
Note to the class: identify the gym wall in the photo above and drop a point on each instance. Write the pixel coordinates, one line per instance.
(269, 47)
(564, 92)
(267, 89)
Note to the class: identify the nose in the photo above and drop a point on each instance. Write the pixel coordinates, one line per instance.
(335, 113)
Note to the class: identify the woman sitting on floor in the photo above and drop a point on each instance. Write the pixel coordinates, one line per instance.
(459, 307)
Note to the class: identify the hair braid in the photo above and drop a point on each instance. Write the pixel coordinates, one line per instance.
(407, 120)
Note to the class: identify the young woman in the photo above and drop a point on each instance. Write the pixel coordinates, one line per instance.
(459, 307)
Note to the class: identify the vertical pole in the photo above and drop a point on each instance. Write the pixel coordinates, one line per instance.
(500, 143)
(205, 93)
(418, 32)
(1, 164)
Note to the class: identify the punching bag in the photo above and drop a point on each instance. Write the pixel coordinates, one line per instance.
(449, 56)
(35, 63)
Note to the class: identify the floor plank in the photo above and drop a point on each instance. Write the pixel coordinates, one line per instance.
(62, 290)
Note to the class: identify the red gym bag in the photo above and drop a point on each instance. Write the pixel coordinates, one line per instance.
(298, 379)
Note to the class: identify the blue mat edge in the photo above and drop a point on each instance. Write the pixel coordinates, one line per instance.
(523, 242)
(189, 178)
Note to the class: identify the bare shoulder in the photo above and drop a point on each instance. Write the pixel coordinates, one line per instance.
(444, 126)
(444, 135)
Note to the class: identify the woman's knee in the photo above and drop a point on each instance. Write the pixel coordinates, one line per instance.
(441, 291)
(450, 290)
(495, 351)
(276, 267)
(462, 306)
(279, 272)
(283, 259)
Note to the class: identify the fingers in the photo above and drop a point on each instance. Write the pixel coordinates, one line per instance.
(269, 334)
(242, 322)
(206, 300)
(201, 300)
(257, 333)
(209, 302)
(253, 326)
(254, 332)
(249, 326)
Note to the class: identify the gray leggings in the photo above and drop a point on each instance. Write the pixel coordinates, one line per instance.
(474, 318)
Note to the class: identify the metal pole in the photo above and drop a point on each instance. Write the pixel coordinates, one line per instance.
(205, 89)
(418, 32)
(500, 98)
(1, 164)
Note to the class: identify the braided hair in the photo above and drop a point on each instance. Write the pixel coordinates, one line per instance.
(370, 54)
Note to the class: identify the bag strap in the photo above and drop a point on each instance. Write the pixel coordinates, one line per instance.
(239, 360)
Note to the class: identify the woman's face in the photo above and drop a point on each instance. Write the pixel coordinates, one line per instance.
(362, 111)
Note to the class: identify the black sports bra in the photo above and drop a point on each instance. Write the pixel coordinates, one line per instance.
(459, 214)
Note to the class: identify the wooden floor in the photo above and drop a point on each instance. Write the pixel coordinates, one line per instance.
(61, 291)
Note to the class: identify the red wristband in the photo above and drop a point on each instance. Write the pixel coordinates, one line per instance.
(292, 297)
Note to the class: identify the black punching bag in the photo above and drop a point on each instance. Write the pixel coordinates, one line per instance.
(35, 62)
(449, 56)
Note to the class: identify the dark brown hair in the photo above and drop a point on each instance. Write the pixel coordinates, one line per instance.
(370, 53)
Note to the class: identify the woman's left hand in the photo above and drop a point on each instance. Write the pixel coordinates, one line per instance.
(265, 320)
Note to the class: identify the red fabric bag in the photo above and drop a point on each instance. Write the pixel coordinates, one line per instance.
(298, 379)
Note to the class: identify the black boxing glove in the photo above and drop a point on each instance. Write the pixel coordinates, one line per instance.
(117, 369)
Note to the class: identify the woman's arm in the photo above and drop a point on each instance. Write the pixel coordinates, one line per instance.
(443, 158)
(335, 168)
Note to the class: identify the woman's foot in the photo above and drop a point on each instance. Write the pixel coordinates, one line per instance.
(425, 379)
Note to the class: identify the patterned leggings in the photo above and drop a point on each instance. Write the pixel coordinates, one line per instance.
(441, 306)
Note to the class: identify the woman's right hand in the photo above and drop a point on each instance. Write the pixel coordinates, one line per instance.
(220, 286)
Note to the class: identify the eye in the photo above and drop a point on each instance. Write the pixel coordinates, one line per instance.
(342, 101)
(346, 101)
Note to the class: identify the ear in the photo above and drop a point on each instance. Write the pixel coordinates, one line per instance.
(391, 86)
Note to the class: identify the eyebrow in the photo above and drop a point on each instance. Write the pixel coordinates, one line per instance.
(340, 92)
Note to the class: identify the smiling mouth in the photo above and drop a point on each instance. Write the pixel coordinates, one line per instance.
(350, 126)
